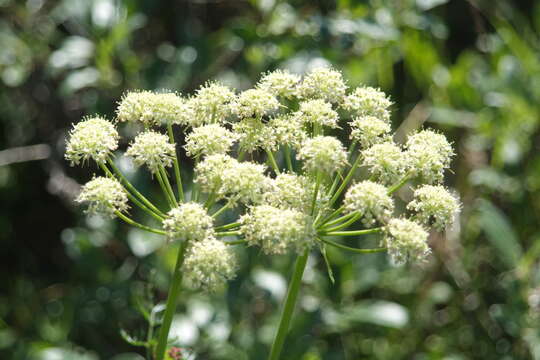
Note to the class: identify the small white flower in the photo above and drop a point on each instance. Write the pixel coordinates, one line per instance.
(150, 108)
(276, 230)
(253, 135)
(429, 154)
(371, 200)
(406, 240)
(104, 196)
(189, 221)
(209, 171)
(322, 153)
(255, 103)
(318, 112)
(386, 162)
(152, 149)
(290, 191)
(369, 130)
(279, 83)
(93, 138)
(287, 130)
(208, 140)
(211, 104)
(209, 264)
(323, 83)
(368, 101)
(434, 204)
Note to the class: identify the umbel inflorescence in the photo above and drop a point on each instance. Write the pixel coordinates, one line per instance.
(270, 155)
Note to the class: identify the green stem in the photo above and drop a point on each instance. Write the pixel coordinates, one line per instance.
(332, 215)
(348, 248)
(316, 192)
(168, 185)
(352, 220)
(352, 233)
(131, 188)
(345, 181)
(176, 164)
(170, 308)
(235, 242)
(222, 209)
(399, 184)
(272, 160)
(288, 308)
(164, 189)
(133, 198)
(140, 226)
(337, 221)
(288, 158)
(228, 233)
(228, 226)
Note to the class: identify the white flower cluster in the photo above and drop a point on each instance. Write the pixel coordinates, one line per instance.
(209, 140)
(368, 101)
(151, 108)
(276, 230)
(323, 83)
(279, 83)
(318, 112)
(369, 130)
(93, 138)
(104, 196)
(434, 204)
(386, 161)
(429, 154)
(189, 221)
(371, 201)
(255, 103)
(290, 191)
(406, 240)
(323, 154)
(212, 103)
(152, 149)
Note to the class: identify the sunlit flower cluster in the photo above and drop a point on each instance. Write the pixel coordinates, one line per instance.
(188, 221)
(323, 83)
(209, 139)
(368, 101)
(279, 83)
(434, 205)
(371, 201)
(406, 240)
(104, 196)
(322, 154)
(152, 149)
(93, 138)
(151, 108)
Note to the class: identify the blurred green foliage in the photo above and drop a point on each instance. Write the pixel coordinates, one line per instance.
(69, 283)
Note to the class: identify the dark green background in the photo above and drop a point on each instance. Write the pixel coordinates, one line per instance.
(68, 283)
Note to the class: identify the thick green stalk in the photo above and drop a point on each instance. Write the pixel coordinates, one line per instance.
(170, 308)
(273, 162)
(176, 165)
(288, 308)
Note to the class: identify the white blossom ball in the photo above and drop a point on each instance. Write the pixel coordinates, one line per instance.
(152, 149)
(369, 130)
(255, 103)
(318, 112)
(434, 205)
(209, 264)
(368, 101)
(93, 138)
(276, 230)
(188, 221)
(208, 140)
(322, 153)
(244, 182)
(323, 83)
(386, 162)
(371, 200)
(212, 103)
(279, 83)
(253, 135)
(406, 240)
(209, 171)
(429, 154)
(287, 130)
(290, 191)
(104, 196)
(150, 108)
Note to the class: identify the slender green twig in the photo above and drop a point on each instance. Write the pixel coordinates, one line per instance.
(345, 181)
(164, 189)
(228, 226)
(351, 221)
(399, 184)
(316, 192)
(165, 178)
(352, 233)
(288, 159)
(288, 308)
(140, 226)
(222, 209)
(332, 215)
(132, 189)
(348, 248)
(176, 165)
(170, 308)
(337, 221)
(272, 160)
(133, 198)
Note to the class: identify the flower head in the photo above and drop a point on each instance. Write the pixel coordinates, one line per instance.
(386, 162)
(152, 149)
(276, 230)
(434, 204)
(244, 182)
(211, 104)
(318, 112)
(188, 221)
(429, 153)
(369, 130)
(322, 153)
(104, 196)
(253, 135)
(255, 103)
(323, 83)
(209, 264)
(209, 171)
(150, 108)
(290, 191)
(287, 130)
(371, 200)
(368, 101)
(93, 138)
(279, 83)
(406, 240)
(208, 140)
